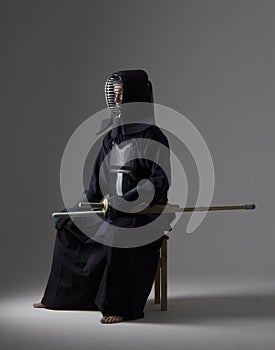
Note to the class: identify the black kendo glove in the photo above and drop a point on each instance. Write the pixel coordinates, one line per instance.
(113, 212)
(132, 194)
(116, 208)
(61, 221)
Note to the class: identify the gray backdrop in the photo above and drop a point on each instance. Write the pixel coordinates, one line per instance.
(213, 61)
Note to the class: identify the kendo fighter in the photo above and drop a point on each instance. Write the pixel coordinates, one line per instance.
(88, 274)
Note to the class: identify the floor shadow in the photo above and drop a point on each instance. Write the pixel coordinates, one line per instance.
(186, 310)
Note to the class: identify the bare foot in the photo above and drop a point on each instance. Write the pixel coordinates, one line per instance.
(39, 306)
(111, 319)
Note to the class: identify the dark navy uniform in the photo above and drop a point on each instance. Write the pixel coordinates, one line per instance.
(87, 274)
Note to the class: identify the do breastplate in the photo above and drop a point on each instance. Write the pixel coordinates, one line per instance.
(123, 168)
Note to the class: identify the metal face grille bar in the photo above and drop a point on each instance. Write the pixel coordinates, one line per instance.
(109, 91)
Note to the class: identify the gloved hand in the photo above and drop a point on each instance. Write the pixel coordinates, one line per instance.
(119, 206)
(132, 194)
(61, 221)
(112, 212)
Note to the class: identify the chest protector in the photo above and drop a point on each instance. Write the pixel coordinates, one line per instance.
(123, 168)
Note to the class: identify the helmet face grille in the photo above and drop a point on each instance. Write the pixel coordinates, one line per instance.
(109, 91)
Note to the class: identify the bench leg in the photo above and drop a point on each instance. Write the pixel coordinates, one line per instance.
(157, 284)
(164, 275)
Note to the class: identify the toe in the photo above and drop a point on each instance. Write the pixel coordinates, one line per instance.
(39, 306)
(103, 319)
(111, 319)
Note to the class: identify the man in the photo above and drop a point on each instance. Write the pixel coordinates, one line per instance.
(87, 274)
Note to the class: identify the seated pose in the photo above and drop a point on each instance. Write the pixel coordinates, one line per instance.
(89, 274)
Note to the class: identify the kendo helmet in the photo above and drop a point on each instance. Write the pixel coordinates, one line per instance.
(135, 85)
